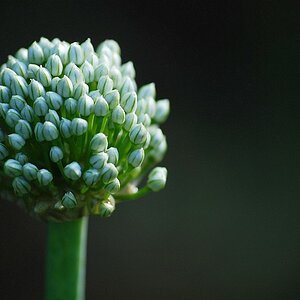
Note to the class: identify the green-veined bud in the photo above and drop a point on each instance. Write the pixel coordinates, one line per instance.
(74, 73)
(53, 117)
(145, 119)
(38, 132)
(3, 151)
(87, 71)
(127, 69)
(112, 98)
(113, 187)
(157, 179)
(85, 105)
(4, 108)
(56, 154)
(44, 177)
(53, 100)
(5, 94)
(17, 102)
(76, 54)
(105, 84)
(32, 70)
(106, 208)
(23, 128)
(21, 185)
(113, 155)
(93, 60)
(73, 171)
(61, 49)
(98, 160)
(12, 117)
(91, 177)
(136, 157)
(130, 121)
(101, 70)
(12, 168)
(108, 173)
(22, 158)
(35, 89)
(54, 65)
(150, 106)
(40, 107)
(78, 126)
(118, 115)
(110, 44)
(87, 48)
(69, 200)
(101, 107)
(116, 76)
(35, 54)
(158, 153)
(49, 131)
(99, 142)
(65, 87)
(129, 102)
(19, 86)
(27, 113)
(44, 76)
(22, 55)
(148, 140)
(16, 141)
(7, 76)
(46, 45)
(70, 106)
(65, 128)
(20, 68)
(157, 137)
(127, 86)
(138, 134)
(54, 83)
(80, 89)
(30, 171)
(10, 61)
(147, 90)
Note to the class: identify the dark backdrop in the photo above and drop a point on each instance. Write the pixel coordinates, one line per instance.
(227, 225)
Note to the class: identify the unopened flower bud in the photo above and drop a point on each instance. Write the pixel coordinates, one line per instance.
(74, 73)
(4, 108)
(49, 131)
(54, 83)
(126, 86)
(70, 105)
(138, 134)
(85, 105)
(23, 128)
(98, 160)
(105, 84)
(65, 128)
(35, 89)
(127, 69)
(112, 98)
(21, 186)
(106, 208)
(44, 177)
(53, 117)
(65, 87)
(69, 200)
(118, 115)
(35, 54)
(30, 171)
(53, 100)
(12, 117)
(21, 158)
(46, 45)
(40, 107)
(136, 157)
(61, 49)
(5, 94)
(32, 70)
(113, 187)
(157, 179)
(3, 151)
(27, 113)
(147, 90)
(56, 154)
(20, 68)
(38, 132)
(129, 102)
(99, 142)
(79, 126)
(76, 54)
(22, 55)
(87, 71)
(130, 121)
(12, 168)
(101, 70)
(113, 155)
(16, 141)
(54, 65)
(87, 48)
(116, 76)
(145, 119)
(19, 86)
(73, 171)
(80, 89)
(7, 76)
(91, 176)
(44, 76)
(17, 102)
(101, 107)
(108, 173)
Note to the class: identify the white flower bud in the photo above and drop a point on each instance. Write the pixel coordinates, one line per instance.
(35, 54)
(106, 208)
(113, 155)
(54, 100)
(94, 94)
(30, 171)
(22, 55)
(127, 69)
(80, 89)
(61, 49)
(112, 98)
(138, 134)
(85, 105)
(49, 131)
(99, 142)
(76, 54)
(21, 186)
(54, 83)
(69, 200)
(118, 115)
(19, 86)
(35, 89)
(40, 106)
(93, 60)
(72, 171)
(10, 61)
(12, 117)
(147, 142)
(56, 154)
(158, 153)
(44, 177)
(105, 85)
(157, 179)
(17, 102)
(98, 160)
(21, 158)
(101, 70)
(38, 132)
(87, 48)
(65, 128)
(144, 119)
(126, 86)
(4, 108)
(74, 73)
(23, 128)
(87, 71)
(12, 168)
(70, 106)
(111, 44)
(3, 151)
(116, 76)
(129, 102)
(5, 94)
(113, 187)
(7, 76)
(53, 117)
(157, 137)
(54, 65)
(65, 87)
(150, 106)
(147, 90)
(20, 68)
(46, 45)
(108, 173)
(136, 157)
(101, 107)
(130, 121)
(44, 76)
(27, 113)
(91, 177)
(32, 70)
(79, 126)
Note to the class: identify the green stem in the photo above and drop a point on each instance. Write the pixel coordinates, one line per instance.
(66, 260)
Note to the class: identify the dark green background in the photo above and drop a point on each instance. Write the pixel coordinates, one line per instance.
(227, 225)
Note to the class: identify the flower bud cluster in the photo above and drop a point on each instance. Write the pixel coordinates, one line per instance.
(76, 133)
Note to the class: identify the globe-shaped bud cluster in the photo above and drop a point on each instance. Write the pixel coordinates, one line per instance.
(76, 133)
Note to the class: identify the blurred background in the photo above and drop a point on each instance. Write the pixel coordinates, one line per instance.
(227, 225)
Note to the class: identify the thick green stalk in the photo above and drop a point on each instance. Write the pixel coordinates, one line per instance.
(66, 260)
